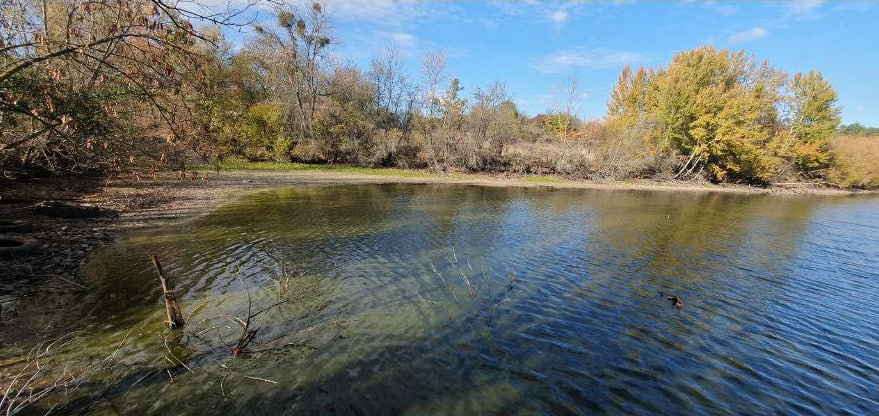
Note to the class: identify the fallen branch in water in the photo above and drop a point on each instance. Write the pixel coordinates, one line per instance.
(248, 329)
(311, 328)
(264, 380)
(243, 342)
(232, 373)
(172, 308)
(247, 334)
(470, 289)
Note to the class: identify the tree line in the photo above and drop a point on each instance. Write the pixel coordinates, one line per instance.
(108, 86)
(857, 129)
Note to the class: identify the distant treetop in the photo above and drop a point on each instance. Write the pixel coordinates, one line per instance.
(857, 129)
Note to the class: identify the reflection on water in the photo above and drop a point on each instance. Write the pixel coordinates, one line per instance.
(426, 299)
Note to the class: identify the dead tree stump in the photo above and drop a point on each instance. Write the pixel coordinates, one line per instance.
(172, 308)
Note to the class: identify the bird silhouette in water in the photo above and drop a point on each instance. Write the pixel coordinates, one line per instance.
(674, 299)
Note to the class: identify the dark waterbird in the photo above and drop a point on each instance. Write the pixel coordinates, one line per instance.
(674, 299)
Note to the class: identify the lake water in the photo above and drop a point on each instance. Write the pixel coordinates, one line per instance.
(452, 299)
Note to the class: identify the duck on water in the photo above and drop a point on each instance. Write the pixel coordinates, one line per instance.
(674, 299)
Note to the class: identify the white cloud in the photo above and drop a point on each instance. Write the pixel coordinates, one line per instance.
(559, 16)
(804, 7)
(754, 33)
(403, 39)
(584, 58)
(726, 10)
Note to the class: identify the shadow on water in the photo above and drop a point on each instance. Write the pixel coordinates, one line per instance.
(478, 300)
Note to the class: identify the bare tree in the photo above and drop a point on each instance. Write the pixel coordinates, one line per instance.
(566, 99)
(572, 100)
(394, 95)
(492, 123)
(294, 55)
(386, 74)
(434, 72)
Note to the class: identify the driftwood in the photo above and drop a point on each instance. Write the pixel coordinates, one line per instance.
(172, 308)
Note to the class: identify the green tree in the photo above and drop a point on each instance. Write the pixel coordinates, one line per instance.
(263, 133)
(346, 123)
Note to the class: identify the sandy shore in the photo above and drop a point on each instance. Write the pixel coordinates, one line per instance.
(130, 202)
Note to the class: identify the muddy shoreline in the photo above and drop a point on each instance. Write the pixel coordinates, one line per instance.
(129, 202)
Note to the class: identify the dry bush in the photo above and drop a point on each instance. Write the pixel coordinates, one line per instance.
(383, 148)
(308, 151)
(592, 130)
(477, 154)
(628, 155)
(856, 161)
(567, 158)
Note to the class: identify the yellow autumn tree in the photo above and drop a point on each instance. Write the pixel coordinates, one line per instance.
(714, 108)
(814, 118)
(627, 100)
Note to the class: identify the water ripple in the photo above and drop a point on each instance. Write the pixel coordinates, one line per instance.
(526, 301)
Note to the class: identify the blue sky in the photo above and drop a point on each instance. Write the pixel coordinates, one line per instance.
(533, 47)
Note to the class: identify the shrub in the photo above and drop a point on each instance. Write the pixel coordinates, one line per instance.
(627, 154)
(855, 161)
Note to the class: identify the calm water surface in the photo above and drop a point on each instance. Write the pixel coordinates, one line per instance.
(429, 299)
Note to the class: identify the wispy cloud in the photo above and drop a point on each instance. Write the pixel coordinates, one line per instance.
(393, 13)
(802, 10)
(559, 13)
(386, 13)
(373, 42)
(726, 10)
(585, 58)
(752, 34)
(719, 8)
(862, 6)
(534, 100)
(804, 7)
(375, 25)
(405, 40)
